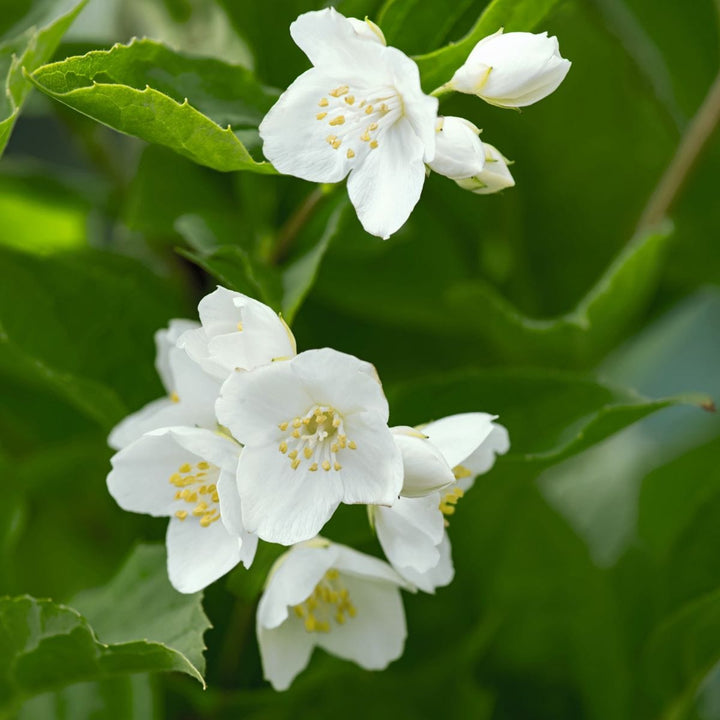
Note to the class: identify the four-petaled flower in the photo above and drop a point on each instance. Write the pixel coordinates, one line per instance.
(315, 434)
(327, 595)
(188, 475)
(359, 111)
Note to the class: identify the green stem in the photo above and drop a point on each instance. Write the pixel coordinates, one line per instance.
(673, 180)
(445, 89)
(288, 232)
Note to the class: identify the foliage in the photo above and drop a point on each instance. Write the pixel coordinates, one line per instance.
(587, 581)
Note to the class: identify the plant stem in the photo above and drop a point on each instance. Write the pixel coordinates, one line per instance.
(688, 151)
(443, 90)
(295, 223)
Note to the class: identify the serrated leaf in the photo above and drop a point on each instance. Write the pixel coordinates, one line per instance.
(140, 602)
(47, 646)
(550, 415)
(161, 96)
(437, 67)
(26, 44)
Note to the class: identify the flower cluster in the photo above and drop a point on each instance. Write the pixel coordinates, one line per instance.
(360, 113)
(257, 442)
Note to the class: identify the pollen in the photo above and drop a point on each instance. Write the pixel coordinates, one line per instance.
(321, 115)
(326, 465)
(323, 102)
(339, 120)
(181, 514)
(349, 99)
(185, 468)
(336, 144)
(374, 144)
(373, 126)
(283, 426)
(460, 472)
(239, 327)
(203, 465)
(337, 466)
(174, 397)
(365, 137)
(369, 110)
(283, 447)
(195, 486)
(350, 154)
(352, 445)
(330, 139)
(449, 501)
(339, 91)
(329, 603)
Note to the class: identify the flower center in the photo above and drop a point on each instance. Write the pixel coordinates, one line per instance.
(330, 600)
(197, 487)
(316, 438)
(357, 117)
(449, 501)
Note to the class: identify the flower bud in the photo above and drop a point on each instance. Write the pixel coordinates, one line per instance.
(494, 177)
(512, 70)
(368, 30)
(458, 150)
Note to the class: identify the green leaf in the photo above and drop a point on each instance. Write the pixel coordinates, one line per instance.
(681, 652)
(27, 41)
(550, 415)
(140, 602)
(47, 646)
(152, 92)
(437, 67)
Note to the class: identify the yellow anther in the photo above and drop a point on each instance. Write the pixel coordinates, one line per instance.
(460, 472)
(313, 467)
(202, 465)
(175, 479)
(208, 520)
(336, 144)
(339, 91)
(239, 326)
(307, 452)
(215, 497)
(332, 574)
(178, 495)
(351, 610)
(295, 463)
(336, 422)
(283, 426)
(299, 610)
(369, 110)
(330, 139)
(352, 445)
(323, 626)
(372, 126)
(297, 422)
(321, 419)
(306, 420)
(203, 490)
(282, 447)
(365, 137)
(334, 447)
(295, 433)
(212, 488)
(326, 465)
(350, 154)
(339, 618)
(200, 509)
(374, 144)
(323, 102)
(174, 397)
(293, 454)
(339, 120)
(384, 109)
(321, 115)
(181, 514)
(337, 466)
(185, 468)
(350, 99)
(310, 623)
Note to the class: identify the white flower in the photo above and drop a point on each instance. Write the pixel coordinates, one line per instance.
(328, 595)
(412, 532)
(424, 467)
(458, 151)
(358, 110)
(188, 475)
(512, 70)
(315, 435)
(237, 332)
(191, 392)
(494, 177)
(367, 30)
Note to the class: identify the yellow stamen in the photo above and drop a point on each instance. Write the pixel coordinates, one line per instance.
(374, 144)
(339, 120)
(181, 514)
(321, 115)
(326, 465)
(350, 154)
(338, 91)
(323, 102)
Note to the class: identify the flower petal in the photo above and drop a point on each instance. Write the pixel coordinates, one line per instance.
(293, 579)
(285, 652)
(145, 419)
(166, 339)
(496, 443)
(281, 504)
(376, 636)
(386, 187)
(458, 436)
(231, 516)
(424, 467)
(438, 576)
(373, 472)
(197, 556)
(357, 564)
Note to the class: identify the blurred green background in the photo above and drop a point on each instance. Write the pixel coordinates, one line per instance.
(587, 565)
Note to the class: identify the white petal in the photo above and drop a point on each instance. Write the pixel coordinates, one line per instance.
(459, 151)
(376, 635)
(285, 651)
(283, 505)
(371, 474)
(424, 466)
(410, 532)
(231, 516)
(367, 30)
(458, 436)
(439, 576)
(195, 388)
(197, 556)
(386, 187)
(496, 443)
(295, 141)
(494, 177)
(292, 580)
(207, 445)
(253, 404)
(140, 422)
(357, 564)
(166, 339)
(140, 478)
